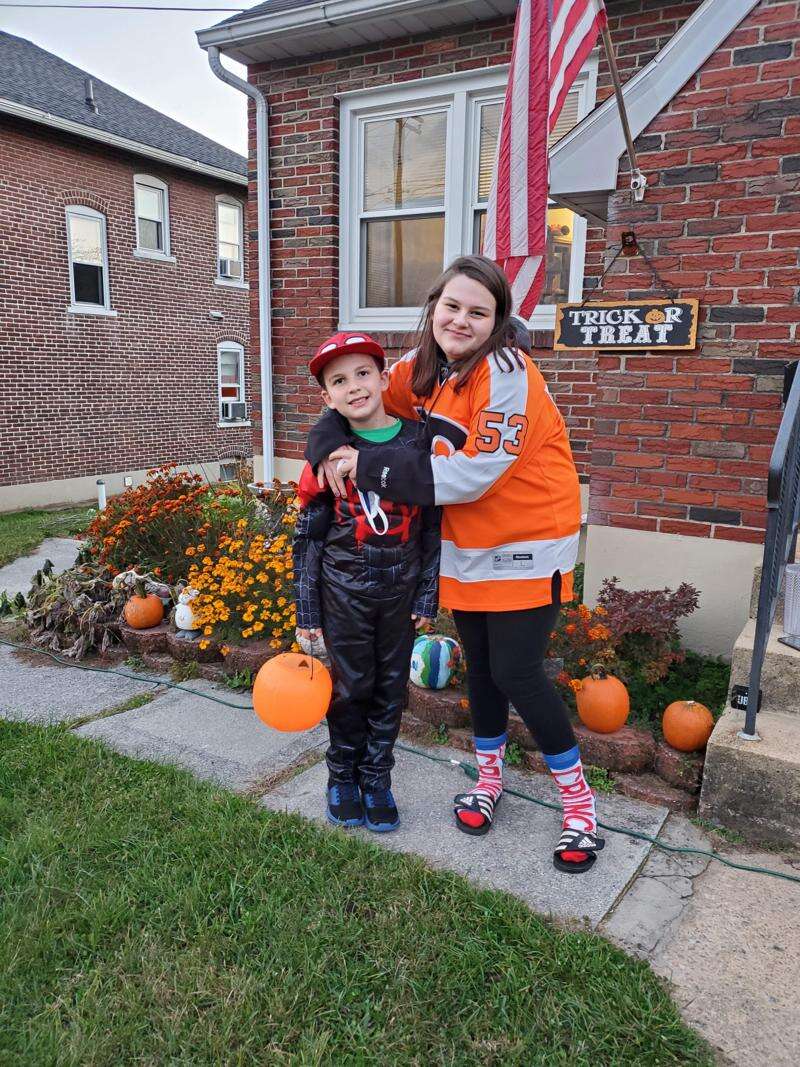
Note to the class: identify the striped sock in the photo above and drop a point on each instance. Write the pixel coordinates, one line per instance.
(576, 795)
(489, 753)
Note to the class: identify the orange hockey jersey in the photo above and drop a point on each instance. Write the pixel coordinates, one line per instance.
(498, 460)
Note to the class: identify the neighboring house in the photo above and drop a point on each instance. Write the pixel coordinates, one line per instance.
(383, 125)
(124, 317)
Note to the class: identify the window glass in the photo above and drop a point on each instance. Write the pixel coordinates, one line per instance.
(86, 256)
(402, 258)
(229, 238)
(229, 381)
(560, 221)
(404, 162)
(150, 217)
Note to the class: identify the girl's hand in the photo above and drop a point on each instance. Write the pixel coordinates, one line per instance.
(346, 460)
(332, 472)
(421, 622)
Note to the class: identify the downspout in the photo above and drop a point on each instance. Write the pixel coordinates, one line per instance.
(264, 287)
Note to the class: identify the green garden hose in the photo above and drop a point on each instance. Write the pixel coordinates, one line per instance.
(470, 771)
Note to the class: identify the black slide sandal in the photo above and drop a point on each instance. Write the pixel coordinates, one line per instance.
(482, 804)
(577, 841)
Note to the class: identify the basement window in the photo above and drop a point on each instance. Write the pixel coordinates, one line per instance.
(87, 250)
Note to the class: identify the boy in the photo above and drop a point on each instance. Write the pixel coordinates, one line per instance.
(365, 572)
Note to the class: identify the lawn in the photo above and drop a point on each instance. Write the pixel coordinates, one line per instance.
(147, 918)
(23, 531)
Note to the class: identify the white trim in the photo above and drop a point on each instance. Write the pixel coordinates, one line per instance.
(234, 425)
(459, 94)
(44, 118)
(237, 348)
(158, 257)
(587, 159)
(230, 201)
(147, 181)
(78, 306)
(91, 309)
(229, 283)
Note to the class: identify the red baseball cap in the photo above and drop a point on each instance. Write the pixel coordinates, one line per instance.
(346, 344)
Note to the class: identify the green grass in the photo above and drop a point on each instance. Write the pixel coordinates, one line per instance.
(702, 678)
(23, 531)
(146, 918)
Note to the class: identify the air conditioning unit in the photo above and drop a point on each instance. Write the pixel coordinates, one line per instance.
(230, 268)
(235, 412)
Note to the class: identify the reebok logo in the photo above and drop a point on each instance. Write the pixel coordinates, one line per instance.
(384, 477)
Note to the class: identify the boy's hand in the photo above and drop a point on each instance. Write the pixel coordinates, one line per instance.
(309, 635)
(421, 622)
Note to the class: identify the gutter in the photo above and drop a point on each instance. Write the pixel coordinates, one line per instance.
(45, 118)
(264, 291)
(314, 17)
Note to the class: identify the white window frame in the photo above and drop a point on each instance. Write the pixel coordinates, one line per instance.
(230, 283)
(459, 94)
(238, 349)
(149, 182)
(77, 307)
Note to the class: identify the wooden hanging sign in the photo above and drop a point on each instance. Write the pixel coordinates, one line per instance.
(627, 325)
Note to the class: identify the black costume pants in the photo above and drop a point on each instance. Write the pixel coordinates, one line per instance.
(505, 652)
(369, 641)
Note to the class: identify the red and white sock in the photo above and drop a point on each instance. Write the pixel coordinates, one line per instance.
(489, 754)
(577, 797)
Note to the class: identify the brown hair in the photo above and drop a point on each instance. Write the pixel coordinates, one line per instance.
(428, 354)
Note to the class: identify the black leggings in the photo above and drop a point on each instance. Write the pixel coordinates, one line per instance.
(505, 652)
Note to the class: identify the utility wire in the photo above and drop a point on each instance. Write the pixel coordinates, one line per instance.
(470, 771)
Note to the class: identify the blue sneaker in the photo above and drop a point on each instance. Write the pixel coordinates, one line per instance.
(380, 810)
(344, 805)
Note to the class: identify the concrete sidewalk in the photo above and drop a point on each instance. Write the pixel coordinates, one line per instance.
(16, 576)
(728, 942)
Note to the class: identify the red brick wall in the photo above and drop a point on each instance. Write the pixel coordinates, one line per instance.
(682, 440)
(304, 172)
(84, 394)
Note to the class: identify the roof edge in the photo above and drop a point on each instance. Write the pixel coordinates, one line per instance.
(586, 160)
(45, 118)
(324, 15)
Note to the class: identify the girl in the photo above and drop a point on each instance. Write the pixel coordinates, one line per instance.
(497, 458)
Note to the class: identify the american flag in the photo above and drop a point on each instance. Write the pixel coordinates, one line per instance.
(552, 39)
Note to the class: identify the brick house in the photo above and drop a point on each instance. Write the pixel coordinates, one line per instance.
(382, 131)
(124, 323)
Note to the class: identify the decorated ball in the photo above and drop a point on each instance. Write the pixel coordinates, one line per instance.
(433, 660)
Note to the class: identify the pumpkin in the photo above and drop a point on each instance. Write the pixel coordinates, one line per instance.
(292, 692)
(142, 612)
(687, 725)
(433, 660)
(603, 702)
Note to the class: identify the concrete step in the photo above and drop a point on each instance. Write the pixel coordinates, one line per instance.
(754, 598)
(780, 678)
(754, 786)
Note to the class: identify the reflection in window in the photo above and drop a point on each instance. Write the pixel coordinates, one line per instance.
(402, 220)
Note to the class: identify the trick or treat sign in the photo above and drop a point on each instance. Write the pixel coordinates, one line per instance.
(629, 325)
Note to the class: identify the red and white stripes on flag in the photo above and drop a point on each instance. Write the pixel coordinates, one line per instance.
(552, 39)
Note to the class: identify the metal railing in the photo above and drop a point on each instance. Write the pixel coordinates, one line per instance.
(783, 518)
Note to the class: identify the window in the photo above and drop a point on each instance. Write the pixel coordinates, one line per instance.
(88, 260)
(152, 217)
(230, 245)
(230, 359)
(417, 166)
